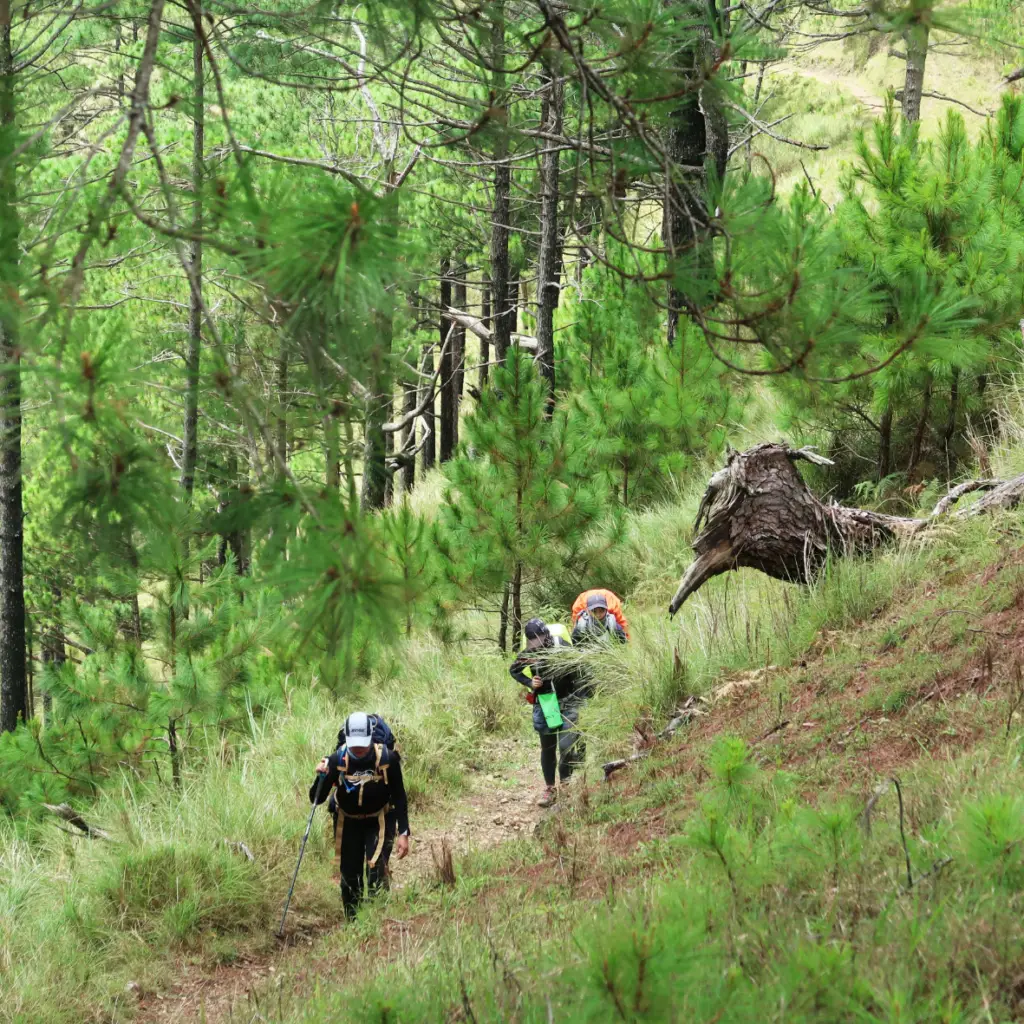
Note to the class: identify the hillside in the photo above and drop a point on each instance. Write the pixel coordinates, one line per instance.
(340, 341)
(753, 866)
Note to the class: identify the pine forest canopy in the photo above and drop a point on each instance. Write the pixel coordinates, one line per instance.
(261, 269)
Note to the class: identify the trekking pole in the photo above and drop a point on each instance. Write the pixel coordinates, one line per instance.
(320, 776)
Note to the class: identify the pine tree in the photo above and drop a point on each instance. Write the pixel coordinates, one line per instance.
(522, 511)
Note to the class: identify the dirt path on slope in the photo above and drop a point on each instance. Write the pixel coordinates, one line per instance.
(833, 78)
(496, 808)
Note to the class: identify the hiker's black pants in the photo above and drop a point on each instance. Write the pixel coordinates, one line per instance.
(358, 842)
(566, 742)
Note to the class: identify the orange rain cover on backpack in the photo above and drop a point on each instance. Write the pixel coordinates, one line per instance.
(614, 606)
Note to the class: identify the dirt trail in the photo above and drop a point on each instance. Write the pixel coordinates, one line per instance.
(832, 77)
(497, 808)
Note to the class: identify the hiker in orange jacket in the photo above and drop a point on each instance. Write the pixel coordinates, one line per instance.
(598, 613)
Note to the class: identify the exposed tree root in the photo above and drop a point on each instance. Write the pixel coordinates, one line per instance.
(758, 513)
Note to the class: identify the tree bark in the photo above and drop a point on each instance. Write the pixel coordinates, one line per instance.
(408, 436)
(281, 385)
(506, 591)
(485, 346)
(459, 346)
(13, 680)
(378, 409)
(758, 513)
(517, 603)
(885, 443)
(190, 442)
(954, 401)
(550, 262)
(697, 132)
(915, 37)
(922, 423)
(447, 378)
(428, 419)
(500, 210)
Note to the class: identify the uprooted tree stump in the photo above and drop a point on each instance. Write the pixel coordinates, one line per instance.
(758, 513)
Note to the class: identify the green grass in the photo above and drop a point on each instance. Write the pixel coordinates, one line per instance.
(556, 918)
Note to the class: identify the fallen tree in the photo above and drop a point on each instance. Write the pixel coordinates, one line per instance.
(758, 513)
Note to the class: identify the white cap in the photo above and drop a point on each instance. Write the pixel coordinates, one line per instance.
(358, 730)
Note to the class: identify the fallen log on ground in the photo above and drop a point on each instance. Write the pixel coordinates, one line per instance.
(758, 513)
(72, 817)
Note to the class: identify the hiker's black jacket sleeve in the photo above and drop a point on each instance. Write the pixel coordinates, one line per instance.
(329, 783)
(399, 801)
(516, 670)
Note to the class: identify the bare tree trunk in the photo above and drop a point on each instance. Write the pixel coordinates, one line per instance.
(549, 264)
(517, 603)
(513, 301)
(281, 386)
(389, 452)
(378, 409)
(916, 39)
(758, 513)
(502, 188)
(506, 591)
(485, 346)
(428, 418)
(885, 443)
(922, 423)
(459, 346)
(408, 436)
(190, 428)
(13, 682)
(52, 642)
(447, 378)
(697, 133)
(947, 434)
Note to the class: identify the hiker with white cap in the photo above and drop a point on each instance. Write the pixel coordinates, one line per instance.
(370, 804)
(557, 684)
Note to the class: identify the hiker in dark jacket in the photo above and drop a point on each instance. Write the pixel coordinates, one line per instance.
(369, 803)
(546, 666)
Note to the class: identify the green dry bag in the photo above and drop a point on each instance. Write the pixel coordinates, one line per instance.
(549, 708)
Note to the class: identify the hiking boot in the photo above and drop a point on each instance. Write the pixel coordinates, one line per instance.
(548, 797)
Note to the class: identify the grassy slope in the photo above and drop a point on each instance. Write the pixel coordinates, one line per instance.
(675, 893)
(728, 874)
(730, 877)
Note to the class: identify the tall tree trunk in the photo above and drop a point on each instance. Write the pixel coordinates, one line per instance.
(378, 408)
(190, 442)
(502, 189)
(513, 302)
(281, 385)
(485, 346)
(947, 434)
(389, 453)
(52, 642)
(697, 133)
(506, 591)
(885, 443)
(922, 423)
(447, 378)
(550, 262)
(460, 344)
(409, 391)
(915, 36)
(13, 682)
(428, 419)
(517, 603)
